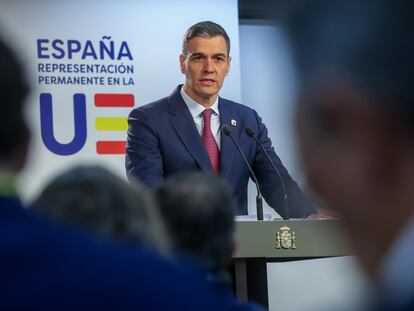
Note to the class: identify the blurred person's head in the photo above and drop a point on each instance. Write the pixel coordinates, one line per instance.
(94, 198)
(199, 212)
(355, 113)
(14, 135)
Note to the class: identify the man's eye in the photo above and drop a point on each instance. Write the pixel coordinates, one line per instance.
(197, 58)
(220, 59)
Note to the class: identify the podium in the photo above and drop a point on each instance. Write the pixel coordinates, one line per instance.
(261, 242)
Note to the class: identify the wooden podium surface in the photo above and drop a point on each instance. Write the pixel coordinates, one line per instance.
(260, 242)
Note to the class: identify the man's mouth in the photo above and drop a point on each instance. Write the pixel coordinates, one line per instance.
(207, 81)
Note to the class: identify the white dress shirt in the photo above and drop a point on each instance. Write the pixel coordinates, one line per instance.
(196, 111)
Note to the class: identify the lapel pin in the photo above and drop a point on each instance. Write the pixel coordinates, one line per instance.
(233, 122)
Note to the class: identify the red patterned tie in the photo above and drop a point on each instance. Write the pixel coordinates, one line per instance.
(209, 141)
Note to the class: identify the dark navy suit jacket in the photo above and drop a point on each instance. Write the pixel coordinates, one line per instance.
(45, 267)
(163, 140)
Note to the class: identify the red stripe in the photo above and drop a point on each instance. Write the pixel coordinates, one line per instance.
(114, 100)
(110, 147)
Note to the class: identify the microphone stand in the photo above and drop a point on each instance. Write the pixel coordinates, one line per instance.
(259, 199)
(285, 208)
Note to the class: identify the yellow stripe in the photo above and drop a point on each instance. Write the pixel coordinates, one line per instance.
(111, 124)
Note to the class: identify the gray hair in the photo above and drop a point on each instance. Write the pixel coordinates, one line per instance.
(94, 198)
(205, 29)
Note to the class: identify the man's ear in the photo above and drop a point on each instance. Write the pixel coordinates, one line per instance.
(228, 65)
(182, 59)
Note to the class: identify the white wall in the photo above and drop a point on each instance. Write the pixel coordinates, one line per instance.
(268, 86)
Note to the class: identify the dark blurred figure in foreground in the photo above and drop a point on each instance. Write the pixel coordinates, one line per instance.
(46, 267)
(199, 211)
(355, 117)
(93, 197)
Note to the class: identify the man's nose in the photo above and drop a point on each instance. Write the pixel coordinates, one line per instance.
(209, 65)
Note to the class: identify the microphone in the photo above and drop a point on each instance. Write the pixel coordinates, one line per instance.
(259, 199)
(250, 132)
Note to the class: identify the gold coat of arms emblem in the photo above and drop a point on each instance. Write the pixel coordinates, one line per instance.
(285, 239)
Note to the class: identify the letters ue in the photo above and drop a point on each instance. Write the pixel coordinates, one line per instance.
(80, 125)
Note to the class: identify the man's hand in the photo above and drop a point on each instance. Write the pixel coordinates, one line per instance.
(322, 215)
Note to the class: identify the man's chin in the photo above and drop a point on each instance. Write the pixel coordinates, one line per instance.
(208, 92)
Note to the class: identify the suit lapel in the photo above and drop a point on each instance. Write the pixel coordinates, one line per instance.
(227, 148)
(183, 123)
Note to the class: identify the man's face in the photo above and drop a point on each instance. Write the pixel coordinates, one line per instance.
(205, 66)
(323, 158)
(358, 158)
(337, 146)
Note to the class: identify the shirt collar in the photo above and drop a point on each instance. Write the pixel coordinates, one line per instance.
(195, 108)
(395, 275)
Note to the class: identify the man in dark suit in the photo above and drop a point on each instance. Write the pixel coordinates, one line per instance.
(181, 132)
(355, 117)
(46, 267)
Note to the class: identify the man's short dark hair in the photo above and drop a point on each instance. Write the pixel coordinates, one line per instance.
(205, 29)
(199, 212)
(13, 90)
